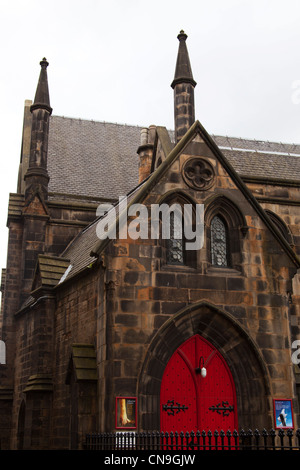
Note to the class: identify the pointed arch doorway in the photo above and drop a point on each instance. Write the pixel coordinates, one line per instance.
(191, 402)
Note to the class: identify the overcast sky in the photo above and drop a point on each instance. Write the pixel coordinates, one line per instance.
(114, 61)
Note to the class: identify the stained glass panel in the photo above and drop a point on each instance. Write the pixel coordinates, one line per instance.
(175, 250)
(218, 242)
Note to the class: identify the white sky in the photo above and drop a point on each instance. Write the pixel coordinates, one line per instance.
(115, 60)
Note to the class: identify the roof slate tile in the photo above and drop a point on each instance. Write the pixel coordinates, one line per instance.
(99, 159)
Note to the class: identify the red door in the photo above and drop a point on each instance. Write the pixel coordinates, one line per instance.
(190, 402)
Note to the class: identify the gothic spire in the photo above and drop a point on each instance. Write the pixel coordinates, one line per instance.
(42, 99)
(36, 177)
(183, 86)
(183, 71)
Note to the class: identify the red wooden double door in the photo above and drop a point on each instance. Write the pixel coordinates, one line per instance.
(191, 402)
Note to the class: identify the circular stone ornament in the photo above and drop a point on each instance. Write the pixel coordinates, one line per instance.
(198, 174)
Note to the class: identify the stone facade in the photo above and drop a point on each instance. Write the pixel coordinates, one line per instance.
(86, 320)
(157, 306)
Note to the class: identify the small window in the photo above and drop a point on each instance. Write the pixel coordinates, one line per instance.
(2, 352)
(175, 249)
(219, 249)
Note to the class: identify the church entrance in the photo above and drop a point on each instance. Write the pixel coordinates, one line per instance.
(197, 390)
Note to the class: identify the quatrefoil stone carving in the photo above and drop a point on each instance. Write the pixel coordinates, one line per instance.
(198, 173)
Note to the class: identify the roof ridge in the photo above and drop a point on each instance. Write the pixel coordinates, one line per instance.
(249, 139)
(140, 126)
(264, 152)
(96, 121)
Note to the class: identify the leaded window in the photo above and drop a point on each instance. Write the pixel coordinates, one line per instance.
(175, 248)
(219, 252)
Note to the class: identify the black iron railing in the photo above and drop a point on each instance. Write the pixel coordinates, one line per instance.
(281, 439)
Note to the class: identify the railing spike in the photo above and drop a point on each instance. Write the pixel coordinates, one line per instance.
(165, 440)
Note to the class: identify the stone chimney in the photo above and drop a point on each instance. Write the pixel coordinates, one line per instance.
(145, 152)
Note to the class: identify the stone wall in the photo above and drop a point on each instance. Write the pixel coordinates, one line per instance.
(253, 298)
(76, 318)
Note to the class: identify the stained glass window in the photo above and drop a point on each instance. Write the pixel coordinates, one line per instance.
(219, 255)
(175, 249)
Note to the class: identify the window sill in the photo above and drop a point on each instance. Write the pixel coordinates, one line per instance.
(178, 267)
(224, 271)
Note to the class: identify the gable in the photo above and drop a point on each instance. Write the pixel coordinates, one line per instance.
(198, 145)
(162, 147)
(35, 206)
(49, 271)
(82, 363)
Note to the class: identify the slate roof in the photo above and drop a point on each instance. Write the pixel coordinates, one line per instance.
(78, 252)
(261, 159)
(266, 166)
(92, 159)
(99, 160)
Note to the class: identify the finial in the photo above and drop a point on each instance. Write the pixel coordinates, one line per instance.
(44, 64)
(182, 36)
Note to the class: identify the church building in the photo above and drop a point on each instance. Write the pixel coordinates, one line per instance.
(152, 279)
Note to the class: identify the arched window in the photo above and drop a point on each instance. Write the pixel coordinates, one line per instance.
(219, 243)
(178, 221)
(226, 228)
(175, 248)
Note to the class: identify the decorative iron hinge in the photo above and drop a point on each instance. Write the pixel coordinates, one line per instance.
(218, 408)
(170, 407)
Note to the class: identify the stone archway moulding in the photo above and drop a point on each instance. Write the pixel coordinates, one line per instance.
(231, 339)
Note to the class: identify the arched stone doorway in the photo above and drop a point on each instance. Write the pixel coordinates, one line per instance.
(197, 390)
(221, 329)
